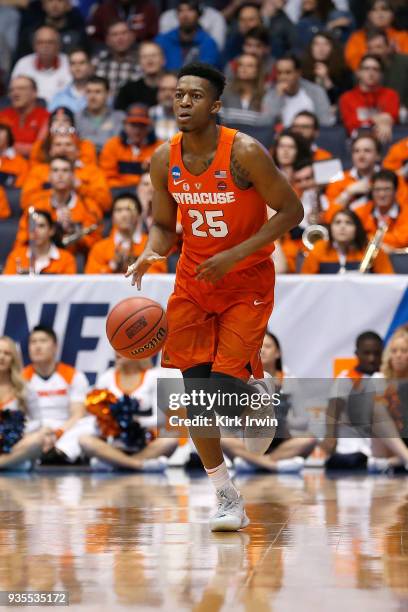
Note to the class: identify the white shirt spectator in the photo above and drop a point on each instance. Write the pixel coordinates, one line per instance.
(49, 81)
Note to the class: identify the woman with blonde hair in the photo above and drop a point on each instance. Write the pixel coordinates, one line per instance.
(17, 448)
(392, 396)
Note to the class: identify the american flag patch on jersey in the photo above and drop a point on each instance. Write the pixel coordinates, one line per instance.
(220, 174)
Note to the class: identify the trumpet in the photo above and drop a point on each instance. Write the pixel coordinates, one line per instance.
(372, 249)
(78, 234)
(313, 233)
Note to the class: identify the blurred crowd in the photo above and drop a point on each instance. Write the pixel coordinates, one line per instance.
(87, 90)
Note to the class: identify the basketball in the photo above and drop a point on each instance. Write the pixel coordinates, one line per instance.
(136, 327)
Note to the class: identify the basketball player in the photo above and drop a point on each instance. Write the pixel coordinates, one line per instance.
(222, 181)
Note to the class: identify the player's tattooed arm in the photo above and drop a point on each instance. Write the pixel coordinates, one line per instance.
(239, 174)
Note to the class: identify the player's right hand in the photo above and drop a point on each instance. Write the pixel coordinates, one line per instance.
(141, 265)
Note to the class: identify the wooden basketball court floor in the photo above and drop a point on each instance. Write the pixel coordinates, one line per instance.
(141, 542)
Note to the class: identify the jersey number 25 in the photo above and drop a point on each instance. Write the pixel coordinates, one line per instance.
(216, 228)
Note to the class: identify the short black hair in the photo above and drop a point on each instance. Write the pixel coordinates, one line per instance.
(260, 33)
(368, 335)
(306, 113)
(128, 195)
(291, 57)
(46, 215)
(46, 329)
(386, 175)
(304, 162)
(79, 50)
(205, 71)
(98, 80)
(254, 5)
(369, 136)
(195, 5)
(375, 33)
(67, 112)
(64, 159)
(371, 56)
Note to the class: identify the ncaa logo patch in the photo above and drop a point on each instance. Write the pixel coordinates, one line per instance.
(175, 172)
(222, 186)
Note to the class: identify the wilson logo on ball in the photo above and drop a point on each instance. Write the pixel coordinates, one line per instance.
(161, 333)
(136, 327)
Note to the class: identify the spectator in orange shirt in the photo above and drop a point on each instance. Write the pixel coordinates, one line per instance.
(369, 105)
(114, 254)
(307, 125)
(41, 256)
(345, 249)
(90, 180)
(385, 210)
(4, 205)
(397, 158)
(354, 188)
(72, 212)
(62, 121)
(28, 120)
(13, 167)
(380, 16)
(125, 158)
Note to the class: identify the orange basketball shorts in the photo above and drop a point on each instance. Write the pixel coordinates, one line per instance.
(223, 324)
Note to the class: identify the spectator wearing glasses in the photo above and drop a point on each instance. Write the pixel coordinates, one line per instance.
(307, 125)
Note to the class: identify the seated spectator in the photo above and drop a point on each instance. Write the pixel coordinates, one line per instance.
(289, 147)
(319, 15)
(118, 62)
(140, 14)
(307, 125)
(78, 218)
(385, 210)
(188, 42)
(242, 99)
(60, 390)
(344, 250)
(248, 16)
(14, 396)
(397, 158)
(27, 119)
(124, 158)
(282, 31)
(392, 397)
(73, 95)
(57, 14)
(293, 94)
(144, 192)
(41, 256)
(114, 254)
(324, 65)
(346, 449)
(162, 114)
(395, 64)
(62, 122)
(256, 42)
(136, 379)
(13, 167)
(145, 89)
(46, 66)
(97, 122)
(354, 189)
(5, 210)
(369, 104)
(212, 21)
(380, 16)
(10, 18)
(90, 181)
(286, 453)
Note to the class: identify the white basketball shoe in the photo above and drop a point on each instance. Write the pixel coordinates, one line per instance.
(259, 429)
(230, 514)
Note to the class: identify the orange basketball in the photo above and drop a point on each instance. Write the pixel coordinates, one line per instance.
(136, 327)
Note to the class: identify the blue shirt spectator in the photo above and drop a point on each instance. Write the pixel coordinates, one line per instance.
(73, 95)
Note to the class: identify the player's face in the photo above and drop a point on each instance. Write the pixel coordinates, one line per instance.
(41, 348)
(399, 356)
(343, 229)
(194, 103)
(383, 194)
(364, 154)
(269, 352)
(369, 356)
(6, 356)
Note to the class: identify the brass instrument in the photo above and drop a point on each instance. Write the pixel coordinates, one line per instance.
(78, 234)
(372, 249)
(314, 231)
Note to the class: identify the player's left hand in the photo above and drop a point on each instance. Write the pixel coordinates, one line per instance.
(214, 268)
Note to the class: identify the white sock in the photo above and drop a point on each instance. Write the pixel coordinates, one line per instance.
(221, 480)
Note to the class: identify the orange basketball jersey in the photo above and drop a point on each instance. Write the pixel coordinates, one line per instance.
(215, 214)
